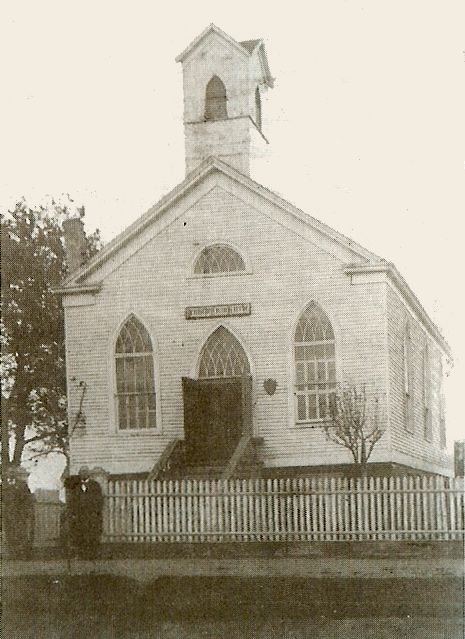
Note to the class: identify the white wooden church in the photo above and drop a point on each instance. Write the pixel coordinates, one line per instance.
(208, 337)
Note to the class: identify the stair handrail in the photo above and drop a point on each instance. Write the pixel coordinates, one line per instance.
(243, 444)
(162, 463)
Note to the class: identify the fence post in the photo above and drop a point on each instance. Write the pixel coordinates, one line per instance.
(101, 476)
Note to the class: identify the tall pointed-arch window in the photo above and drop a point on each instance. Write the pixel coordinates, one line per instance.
(426, 375)
(215, 100)
(135, 381)
(442, 408)
(315, 368)
(218, 259)
(407, 378)
(223, 356)
(258, 108)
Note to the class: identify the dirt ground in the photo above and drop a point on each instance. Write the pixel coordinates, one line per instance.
(104, 607)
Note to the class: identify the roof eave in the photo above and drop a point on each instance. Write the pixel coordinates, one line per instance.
(203, 170)
(138, 225)
(78, 290)
(391, 270)
(265, 65)
(212, 28)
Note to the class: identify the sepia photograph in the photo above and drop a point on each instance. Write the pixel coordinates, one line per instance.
(232, 336)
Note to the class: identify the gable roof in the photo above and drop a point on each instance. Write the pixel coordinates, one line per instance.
(365, 261)
(250, 45)
(246, 47)
(207, 167)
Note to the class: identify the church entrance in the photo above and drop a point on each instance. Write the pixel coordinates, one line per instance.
(217, 405)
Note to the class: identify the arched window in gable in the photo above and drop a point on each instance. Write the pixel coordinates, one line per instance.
(258, 108)
(223, 356)
(315, 364)
(218, 258)
(135, 380)
(215, 100)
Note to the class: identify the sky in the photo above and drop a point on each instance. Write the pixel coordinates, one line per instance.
(365, 123)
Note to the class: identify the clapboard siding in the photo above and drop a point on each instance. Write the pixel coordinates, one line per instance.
(287, 272)
(413, 444)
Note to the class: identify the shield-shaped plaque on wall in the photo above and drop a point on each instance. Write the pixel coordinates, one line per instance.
(270, 386)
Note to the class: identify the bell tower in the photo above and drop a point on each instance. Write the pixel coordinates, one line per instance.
(224, 82)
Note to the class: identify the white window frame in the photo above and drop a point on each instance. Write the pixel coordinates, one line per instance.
(426, 394)
(442, 407)
(220, 242)
(296, 423)
(246, 358)
(114, 408)
(407, 379)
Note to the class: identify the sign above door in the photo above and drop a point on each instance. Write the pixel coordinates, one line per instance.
(219, 310)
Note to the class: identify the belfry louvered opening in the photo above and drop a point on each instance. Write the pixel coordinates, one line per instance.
(215, 100)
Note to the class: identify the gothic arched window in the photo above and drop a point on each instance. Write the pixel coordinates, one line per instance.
(315, 367)
(218, 258)
(215, 100)
(258, 108)
(407, 378)
(135, 380)
(442, 410)
(223, 356)
(426, 379)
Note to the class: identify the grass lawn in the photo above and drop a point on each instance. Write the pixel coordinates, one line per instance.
(100, 607)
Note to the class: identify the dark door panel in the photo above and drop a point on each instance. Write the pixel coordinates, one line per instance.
(213, 418)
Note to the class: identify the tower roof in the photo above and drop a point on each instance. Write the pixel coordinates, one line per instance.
(246, 48)
(251, 45)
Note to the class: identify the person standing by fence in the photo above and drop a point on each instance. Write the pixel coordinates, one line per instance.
(84, 513)
(18, 513)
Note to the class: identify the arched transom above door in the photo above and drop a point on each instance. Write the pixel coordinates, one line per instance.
(223, 356)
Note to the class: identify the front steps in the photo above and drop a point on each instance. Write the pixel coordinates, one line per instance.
(244, 463)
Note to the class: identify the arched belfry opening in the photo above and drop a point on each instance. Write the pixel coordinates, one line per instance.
(224, 85)
(217, 405)
(215, 100)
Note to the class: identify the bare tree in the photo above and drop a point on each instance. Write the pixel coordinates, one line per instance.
(354, 422)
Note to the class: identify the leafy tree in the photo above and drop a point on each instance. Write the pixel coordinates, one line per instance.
(33, 350)
(354, 423)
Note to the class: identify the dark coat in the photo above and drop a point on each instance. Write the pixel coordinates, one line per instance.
(84, 505)
(18, 511)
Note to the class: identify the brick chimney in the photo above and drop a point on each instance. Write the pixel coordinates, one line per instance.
(75, 243)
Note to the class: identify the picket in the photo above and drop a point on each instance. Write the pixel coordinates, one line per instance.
(305, 509)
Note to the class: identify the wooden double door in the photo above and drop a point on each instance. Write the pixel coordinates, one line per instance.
(217, 412)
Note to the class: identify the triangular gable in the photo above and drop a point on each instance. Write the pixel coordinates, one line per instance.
(201, 180)
(211, 29)
(195, 178)
(246, 48)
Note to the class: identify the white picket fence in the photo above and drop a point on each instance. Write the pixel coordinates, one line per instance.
(307, 509)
